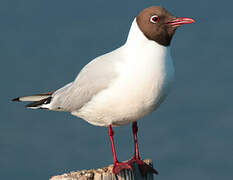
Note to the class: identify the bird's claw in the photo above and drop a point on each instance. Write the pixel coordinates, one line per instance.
(119, 166)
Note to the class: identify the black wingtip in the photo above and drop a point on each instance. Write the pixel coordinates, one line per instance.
(38, 103)
(15, 99)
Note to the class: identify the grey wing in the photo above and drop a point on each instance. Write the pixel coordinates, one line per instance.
(94, 77)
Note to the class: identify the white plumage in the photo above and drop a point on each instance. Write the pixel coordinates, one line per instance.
(132, 81)
(116, 88)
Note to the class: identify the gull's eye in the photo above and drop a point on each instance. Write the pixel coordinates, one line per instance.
(154, 19)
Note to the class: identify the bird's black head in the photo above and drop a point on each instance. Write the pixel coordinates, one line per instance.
(159, 25)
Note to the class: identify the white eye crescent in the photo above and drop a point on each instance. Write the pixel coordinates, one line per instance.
(154, 19)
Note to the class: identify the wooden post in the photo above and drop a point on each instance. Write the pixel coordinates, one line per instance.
(105, 173)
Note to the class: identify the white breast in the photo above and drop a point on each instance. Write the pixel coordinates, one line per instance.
(145, 75)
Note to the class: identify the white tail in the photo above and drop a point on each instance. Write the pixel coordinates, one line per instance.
(35, 97)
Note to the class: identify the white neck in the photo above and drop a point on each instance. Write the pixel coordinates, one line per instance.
(135, 34)
(138, 42)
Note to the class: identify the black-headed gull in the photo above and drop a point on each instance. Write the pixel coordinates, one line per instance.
(124, 85)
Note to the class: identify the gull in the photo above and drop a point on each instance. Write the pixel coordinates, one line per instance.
(124, 85)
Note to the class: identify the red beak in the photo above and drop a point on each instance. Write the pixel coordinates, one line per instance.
(180, 21)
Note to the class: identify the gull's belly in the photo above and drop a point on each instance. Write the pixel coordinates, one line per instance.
(140, 96)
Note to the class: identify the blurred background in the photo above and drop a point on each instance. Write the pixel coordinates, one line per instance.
(43, 46)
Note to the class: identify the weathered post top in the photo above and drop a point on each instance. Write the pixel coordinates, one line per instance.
(105, 173)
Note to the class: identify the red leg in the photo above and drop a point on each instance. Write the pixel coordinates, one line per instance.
(117, 166)
(135, 138)
(144, 168)
(111, 134)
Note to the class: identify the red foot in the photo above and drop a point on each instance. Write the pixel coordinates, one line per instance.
(143, 167)
(119, 166)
